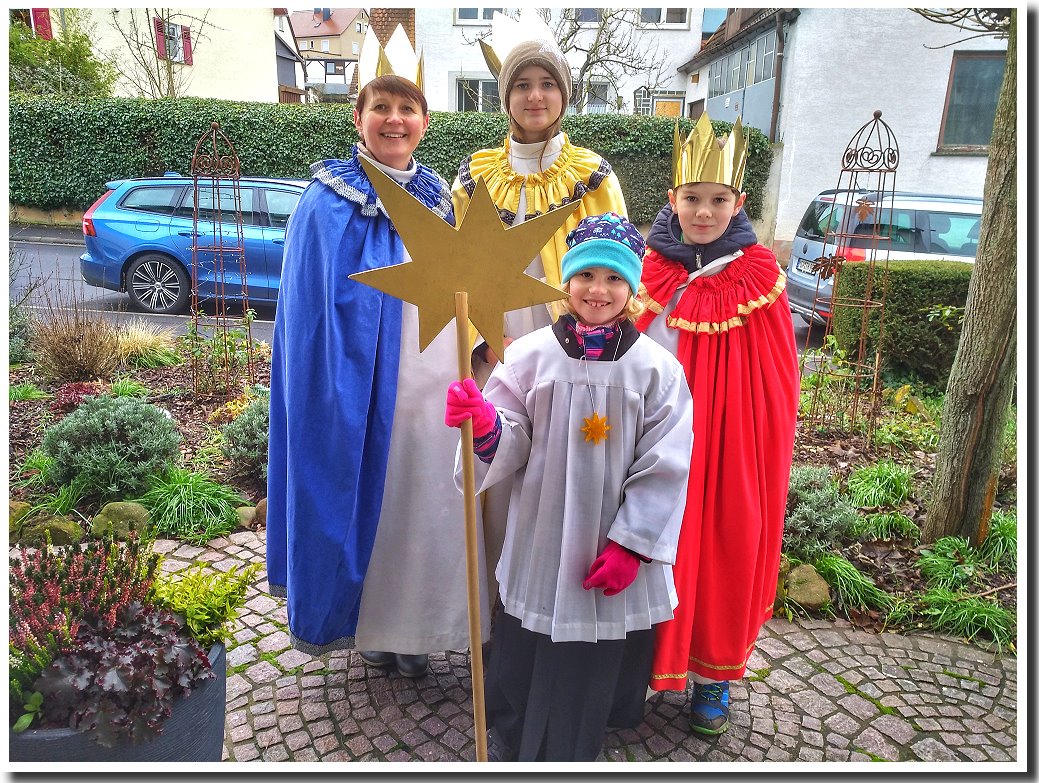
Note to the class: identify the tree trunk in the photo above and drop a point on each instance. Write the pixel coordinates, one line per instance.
(984, 372)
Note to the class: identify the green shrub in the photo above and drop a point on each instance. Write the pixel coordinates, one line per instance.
(245, 438)
(208, 600)
(190, 506)
(112, 445)
(950, 562)
(999, 549)
(884, 483)
(19, 326)
(853, 589)
(968, 616)
(885, 527)
(61, 152)
(913, 345)
(26, 391)
(817, 518)
(127, 387)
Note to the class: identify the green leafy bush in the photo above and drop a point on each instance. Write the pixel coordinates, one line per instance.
(913, 345)
(950, 562)
(817, 518)
(853, 589)
(62, 153)
(112, 445)
(884, 483)
(190, 506)
(208, 600)
(999, 549)
(968, 616)
(885, 527)
(245, 438)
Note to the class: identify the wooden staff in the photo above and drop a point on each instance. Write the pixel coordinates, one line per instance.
(472, 553)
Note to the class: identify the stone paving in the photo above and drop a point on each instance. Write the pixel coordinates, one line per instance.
(815, 691)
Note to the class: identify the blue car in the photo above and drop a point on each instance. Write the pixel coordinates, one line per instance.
(139, 237)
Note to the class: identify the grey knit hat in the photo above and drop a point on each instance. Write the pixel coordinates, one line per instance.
(543, 54)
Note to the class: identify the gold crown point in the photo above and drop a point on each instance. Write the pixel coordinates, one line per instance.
(703, 159)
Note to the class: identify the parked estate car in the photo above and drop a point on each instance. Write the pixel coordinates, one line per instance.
(900, 226)
(139, 238)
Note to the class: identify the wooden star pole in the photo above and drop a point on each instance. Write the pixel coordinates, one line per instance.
(474, 272)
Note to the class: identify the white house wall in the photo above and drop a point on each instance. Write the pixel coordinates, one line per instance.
(449, 57)
(234, 56)
(841, 65)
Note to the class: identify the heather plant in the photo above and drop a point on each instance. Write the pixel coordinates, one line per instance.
(113, 444)
(817, 518)
(70, 396)
(53, 591)
(245, 438)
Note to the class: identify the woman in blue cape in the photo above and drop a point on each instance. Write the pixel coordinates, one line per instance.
(365, 534)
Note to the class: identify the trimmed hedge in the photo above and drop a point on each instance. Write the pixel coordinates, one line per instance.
(63, 152)
(913, 346)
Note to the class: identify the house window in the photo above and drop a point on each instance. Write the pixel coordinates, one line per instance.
(359, 27)
(664, 15)
(335, 68)
(477, 95)
(325, 44)
(643, 103)
(355, 48)
(172, 41)
(475, 15)
(598, 98)
(588, 15)
(970, 101)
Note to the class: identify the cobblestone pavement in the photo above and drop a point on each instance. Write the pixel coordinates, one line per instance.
(815, 691)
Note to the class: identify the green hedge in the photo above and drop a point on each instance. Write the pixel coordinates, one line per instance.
(63, 152)
(913, 346)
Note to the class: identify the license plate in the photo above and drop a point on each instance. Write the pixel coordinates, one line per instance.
(804, 265)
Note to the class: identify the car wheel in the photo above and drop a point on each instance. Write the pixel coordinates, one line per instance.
(158, 284)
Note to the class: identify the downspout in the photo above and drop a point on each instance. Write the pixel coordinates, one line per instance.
(780, 18)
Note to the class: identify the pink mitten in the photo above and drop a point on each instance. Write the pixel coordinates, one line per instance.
(614, 569)
(465, 401)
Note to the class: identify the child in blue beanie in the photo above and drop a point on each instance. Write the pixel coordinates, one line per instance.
(593, 423)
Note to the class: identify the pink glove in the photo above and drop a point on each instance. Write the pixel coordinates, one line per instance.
(465, 401)
(614, 569)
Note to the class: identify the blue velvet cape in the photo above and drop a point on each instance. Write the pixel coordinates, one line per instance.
(335, 355)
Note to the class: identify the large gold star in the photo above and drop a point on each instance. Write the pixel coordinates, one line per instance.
(481, 257)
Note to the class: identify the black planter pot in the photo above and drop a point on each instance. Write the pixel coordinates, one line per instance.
(194, 732)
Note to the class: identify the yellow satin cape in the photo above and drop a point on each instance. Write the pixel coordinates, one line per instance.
(577, 173)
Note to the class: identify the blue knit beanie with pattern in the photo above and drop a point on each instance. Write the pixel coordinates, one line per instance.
(609, 241)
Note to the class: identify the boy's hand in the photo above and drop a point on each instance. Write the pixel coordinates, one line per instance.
(614, 569)
(464, 401)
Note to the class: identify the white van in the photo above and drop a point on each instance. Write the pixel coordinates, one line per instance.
(900, 226)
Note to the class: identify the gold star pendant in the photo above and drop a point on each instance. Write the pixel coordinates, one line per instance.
(481, 257)
(595, 429)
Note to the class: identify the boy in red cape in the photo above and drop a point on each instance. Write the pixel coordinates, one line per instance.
(717, 300)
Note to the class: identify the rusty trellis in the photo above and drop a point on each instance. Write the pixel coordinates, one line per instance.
(845, 374)
(221, 348)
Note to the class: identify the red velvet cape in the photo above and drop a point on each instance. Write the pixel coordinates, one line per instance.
(736, 343)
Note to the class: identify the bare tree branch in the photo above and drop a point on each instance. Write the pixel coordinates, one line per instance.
(139, 62)
(984, 22)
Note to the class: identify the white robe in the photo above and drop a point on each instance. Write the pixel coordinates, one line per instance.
(569, 495)
(414, 595)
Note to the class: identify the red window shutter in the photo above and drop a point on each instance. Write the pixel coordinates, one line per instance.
(41, 22)
(185, 39)
(160, 37)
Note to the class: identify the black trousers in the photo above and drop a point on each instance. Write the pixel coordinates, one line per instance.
(553, 701)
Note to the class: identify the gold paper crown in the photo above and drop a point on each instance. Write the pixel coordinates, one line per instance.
(507, 33)
(397, 59)
(700, 159)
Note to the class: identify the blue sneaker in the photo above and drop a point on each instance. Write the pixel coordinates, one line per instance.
(709, 713)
